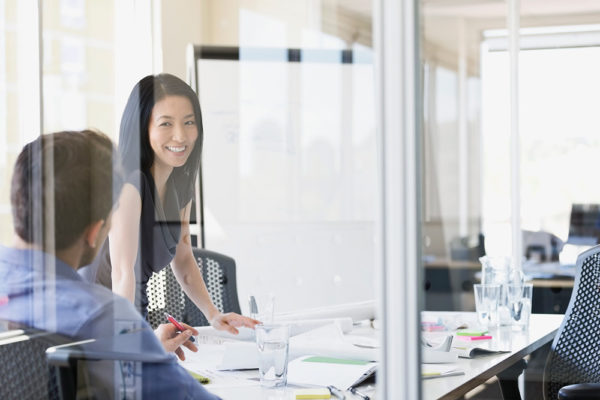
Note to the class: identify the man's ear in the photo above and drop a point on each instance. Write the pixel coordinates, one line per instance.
(92, 232)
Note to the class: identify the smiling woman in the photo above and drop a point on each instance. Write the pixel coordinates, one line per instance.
(172, 133)
(159, 144)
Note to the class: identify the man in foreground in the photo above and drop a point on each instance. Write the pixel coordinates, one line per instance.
(62, 194)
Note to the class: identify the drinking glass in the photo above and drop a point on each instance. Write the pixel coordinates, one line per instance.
(519, 304)
(486, 303)
(262, 308)
(273, 345)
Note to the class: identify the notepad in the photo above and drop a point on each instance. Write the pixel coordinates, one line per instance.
(471, 352)
(325, 371)
(471, 333)
(320, 393)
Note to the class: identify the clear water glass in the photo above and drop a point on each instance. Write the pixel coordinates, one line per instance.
(519, 305)
(273, 351)
(487, 297)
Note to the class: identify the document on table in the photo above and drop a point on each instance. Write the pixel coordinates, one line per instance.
(429, 371)
(325, 371)
(297, 327)
(471, 352)
(465, 349)
(205, 362)
(356, 311)
(327, 341)
(438, 357)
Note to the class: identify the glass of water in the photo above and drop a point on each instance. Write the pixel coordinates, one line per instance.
(519, 304)
(273, 344)
(487, 298)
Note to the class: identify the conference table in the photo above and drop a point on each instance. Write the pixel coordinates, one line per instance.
(543, 327)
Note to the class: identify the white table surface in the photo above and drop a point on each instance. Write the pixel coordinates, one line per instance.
(245, 385)
(542, 329)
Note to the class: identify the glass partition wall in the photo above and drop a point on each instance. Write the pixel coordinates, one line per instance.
(508, 148)
(305, 181)
(19, 94)
(291, 166)
(478, 111)
(289, 174)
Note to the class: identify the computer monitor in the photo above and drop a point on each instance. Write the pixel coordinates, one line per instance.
(584, 227)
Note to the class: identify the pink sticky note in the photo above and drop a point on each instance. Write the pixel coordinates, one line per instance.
(484, 337)
(431, 328)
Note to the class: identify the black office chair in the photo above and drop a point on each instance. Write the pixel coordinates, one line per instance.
(78, 362)
(165, 293)
(23, 367)
(575, 353)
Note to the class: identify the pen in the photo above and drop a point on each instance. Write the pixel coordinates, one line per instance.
(336, 392)
(180, 327)
(359, 394)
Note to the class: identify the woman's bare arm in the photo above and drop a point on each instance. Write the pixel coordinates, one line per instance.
(124, 241)
(190, 278)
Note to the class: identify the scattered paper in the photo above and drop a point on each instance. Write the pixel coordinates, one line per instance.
(339, 373)
(429, 371)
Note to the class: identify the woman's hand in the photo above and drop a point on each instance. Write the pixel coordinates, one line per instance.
(172, 339)
(231, 321)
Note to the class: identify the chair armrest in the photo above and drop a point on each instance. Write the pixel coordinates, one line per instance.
(65, 357)
(580, 391)
(118, 348)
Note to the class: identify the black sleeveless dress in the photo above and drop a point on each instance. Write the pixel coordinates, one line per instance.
(160, 230)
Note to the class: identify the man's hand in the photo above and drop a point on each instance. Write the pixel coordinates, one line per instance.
(231, 321)
(171, 339)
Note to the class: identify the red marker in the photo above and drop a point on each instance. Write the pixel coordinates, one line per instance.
(180, 327)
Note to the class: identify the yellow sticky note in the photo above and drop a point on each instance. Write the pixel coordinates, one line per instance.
(320, 393)
(202, 379)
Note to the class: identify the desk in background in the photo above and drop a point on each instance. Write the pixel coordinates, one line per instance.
(552, 286)
(449, 286)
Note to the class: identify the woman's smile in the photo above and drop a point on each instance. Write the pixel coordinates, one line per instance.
(172, 131)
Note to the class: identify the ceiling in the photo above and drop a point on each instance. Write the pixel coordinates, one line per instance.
(498, 8)
(485, 8)
(446, 22)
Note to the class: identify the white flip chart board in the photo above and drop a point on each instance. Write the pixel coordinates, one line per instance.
(289, 172)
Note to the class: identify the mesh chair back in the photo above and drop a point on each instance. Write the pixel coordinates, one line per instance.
(24, 369)
(575, 353)
(165, 293)
(218, 271)
(164, 296)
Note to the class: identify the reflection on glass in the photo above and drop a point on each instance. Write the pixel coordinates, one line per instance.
(289, 159)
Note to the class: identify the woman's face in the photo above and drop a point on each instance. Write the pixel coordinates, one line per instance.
(172, 131)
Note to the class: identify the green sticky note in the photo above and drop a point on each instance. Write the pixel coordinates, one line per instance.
(331, 360)
(471, 333)
(202, 379)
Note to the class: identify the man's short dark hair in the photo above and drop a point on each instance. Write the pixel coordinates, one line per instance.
(67, 180)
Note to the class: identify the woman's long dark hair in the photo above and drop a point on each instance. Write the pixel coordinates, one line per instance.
(134, 139)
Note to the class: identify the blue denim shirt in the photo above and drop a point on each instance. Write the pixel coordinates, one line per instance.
(40, 291)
